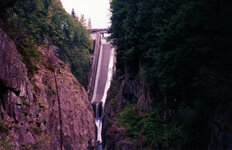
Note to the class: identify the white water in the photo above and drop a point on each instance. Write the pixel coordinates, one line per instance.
(98, 123)
(109, 77)
(98, 119)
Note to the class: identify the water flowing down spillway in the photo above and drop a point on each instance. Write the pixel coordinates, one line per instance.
(100, 106)
(102, 76)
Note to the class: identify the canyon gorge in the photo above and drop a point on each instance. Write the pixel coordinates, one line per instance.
(159, 78)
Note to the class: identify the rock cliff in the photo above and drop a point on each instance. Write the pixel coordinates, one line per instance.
(46, 110)
(124, 90)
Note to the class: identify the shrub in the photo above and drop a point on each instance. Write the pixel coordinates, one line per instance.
(129, 119)
(164, 132)
(3, 127)
(45, 121)
(150, 125)
(41, 104)
(26, 103)
(6, 145)
(37, 129)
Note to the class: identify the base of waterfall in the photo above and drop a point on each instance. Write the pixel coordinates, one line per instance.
(99, 142)
(98, 146)
(102, 81)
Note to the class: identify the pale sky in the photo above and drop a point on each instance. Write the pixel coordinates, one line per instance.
(97, 10)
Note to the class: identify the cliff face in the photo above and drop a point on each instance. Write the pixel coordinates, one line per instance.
(124, 90)
(115, 136)
(47, 110)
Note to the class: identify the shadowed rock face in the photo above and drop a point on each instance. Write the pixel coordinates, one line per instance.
(122, 92)
(45, 110)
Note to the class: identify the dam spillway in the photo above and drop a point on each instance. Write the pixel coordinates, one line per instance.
(100, 80)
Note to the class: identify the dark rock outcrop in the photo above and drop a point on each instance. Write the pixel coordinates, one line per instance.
(45, 111)
(126, 91)
(123, 91)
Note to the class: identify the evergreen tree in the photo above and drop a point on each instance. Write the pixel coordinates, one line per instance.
(74, 14)
(89, 24)
(83, 20)
(183, 49)
(46, 20)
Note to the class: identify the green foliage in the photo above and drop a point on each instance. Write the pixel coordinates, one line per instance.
(129, 118)
(75, 87)
(37, 129)
(26, 103)
(42, 142)
(164, 133)
(6, 145)
(182, 50)
(41, 104)
(46, 22)
(3, 127)
(45, 121)
(152, 127)
(30, 56)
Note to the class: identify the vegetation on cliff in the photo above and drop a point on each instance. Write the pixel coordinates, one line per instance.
(182, 51)
(43, 110)
(150, 125)
(36, 22)
(42, 104)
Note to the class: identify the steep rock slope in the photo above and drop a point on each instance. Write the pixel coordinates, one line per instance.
(45, 110)
(123, 91)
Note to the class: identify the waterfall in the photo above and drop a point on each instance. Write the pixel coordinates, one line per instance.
(98, 102)
(100, 106)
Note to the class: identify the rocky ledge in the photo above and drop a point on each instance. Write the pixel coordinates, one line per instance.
(46, 110)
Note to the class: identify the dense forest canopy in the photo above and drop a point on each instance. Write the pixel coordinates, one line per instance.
(182, 50)
(34, 22)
